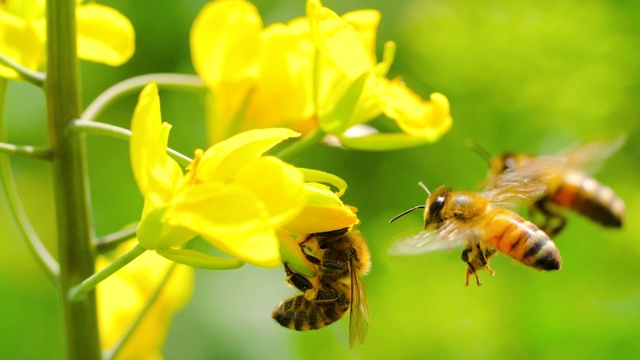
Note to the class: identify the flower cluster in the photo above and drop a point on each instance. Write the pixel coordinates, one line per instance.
(318, 71)
(232, 195)
(104, 35)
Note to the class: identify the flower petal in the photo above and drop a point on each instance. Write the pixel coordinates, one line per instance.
(125, 294)
(416, 117)
(365, 22)
(283, 95)
(22, 42)
(231, 218)
(225, 42)
(324, 212)
(156, 174)
(338, 40)
(104, 35)
(279, 186)
(222, 161)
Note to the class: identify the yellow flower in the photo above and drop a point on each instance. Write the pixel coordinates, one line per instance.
(315, 71)
(231, 196)
(349, 71)
(127, 292)
(104, 34)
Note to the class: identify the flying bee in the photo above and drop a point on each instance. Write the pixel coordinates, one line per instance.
(570, 186)
(341, 258)
(482, 223)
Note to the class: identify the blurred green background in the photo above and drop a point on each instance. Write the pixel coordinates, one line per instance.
(524, 76)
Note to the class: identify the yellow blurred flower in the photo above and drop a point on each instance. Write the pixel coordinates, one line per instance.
(126, 293)
(315, 71)
(232, 196)
(104, 34)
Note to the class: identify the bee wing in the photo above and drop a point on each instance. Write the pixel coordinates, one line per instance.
(451, 234)
(525, 182)
(359, 314)
(590, 157)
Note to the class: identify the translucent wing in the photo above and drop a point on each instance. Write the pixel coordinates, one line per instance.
(590, 157)
(451, 234)
(525, 182)
(359, 314)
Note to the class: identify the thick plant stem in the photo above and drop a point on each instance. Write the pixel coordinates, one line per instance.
(76, 254)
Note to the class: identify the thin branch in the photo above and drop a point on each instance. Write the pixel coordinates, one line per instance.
(34, 77)
(110, 241)
(119, 90)
(113, 352)
(93, 127)
(76, 293)
(27, 151)
(42, 256)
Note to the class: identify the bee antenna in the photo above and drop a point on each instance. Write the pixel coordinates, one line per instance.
(482, 152)
(422, 185)
(406, 212)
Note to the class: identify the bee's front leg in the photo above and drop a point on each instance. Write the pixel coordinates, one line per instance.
(298, 281)
(322, 263)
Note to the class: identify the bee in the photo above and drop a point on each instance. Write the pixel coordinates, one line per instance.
(484, 225)
(570, 186)
(341, 258)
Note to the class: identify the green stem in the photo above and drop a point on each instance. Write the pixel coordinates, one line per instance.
(98, 128)
(108, 242)
(78, 292)
(34, 77)
(42, 256)
(27, 151)
(119, 90)
(70, 187)
(113, 352)
(301, 145)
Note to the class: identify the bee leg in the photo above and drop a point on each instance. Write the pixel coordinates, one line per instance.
(298, 281)
(553, 221)
(490, 270)
(327, 294)
(470, 268)
(324, 264)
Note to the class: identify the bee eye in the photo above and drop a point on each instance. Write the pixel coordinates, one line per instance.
(436, 207)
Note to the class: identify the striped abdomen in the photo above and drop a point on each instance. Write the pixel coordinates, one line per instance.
(299, 313)
(521, 239)
(590, 198)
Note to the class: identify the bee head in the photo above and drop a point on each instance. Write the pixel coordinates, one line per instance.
(504, 162)
(435, 204)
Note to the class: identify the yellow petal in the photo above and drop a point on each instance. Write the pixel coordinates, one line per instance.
(324, 212)
(231, 218)
(222, 161)
(124, 295)
(104, 35)
(338, 40)
(278, 185)
(283, 95)
(225, 42)
(416, 117)
(156, 174)
(365, 23)
(22, 42)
